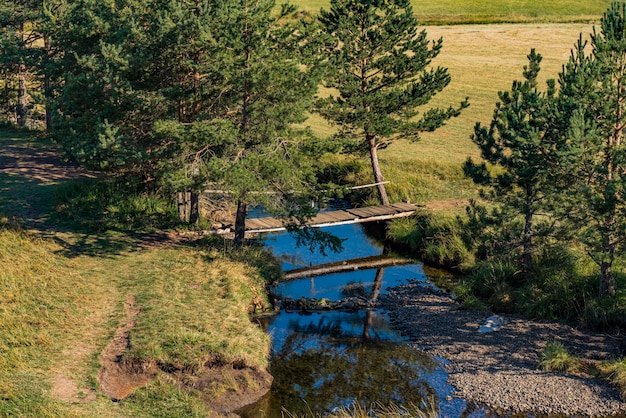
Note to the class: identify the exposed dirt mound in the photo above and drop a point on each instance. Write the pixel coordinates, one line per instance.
(239, 387)
(117, 378)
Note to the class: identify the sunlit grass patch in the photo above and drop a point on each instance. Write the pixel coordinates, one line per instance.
(488, 11)
(163, 398)
(556, 358)
(193, 311)
(40, 300)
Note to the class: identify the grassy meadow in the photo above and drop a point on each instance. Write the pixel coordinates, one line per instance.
(489, 11)
(482, 60)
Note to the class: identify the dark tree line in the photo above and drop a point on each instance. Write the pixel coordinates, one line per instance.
(181, 94)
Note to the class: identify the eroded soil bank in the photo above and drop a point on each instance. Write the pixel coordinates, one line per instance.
(225, 388)
(500, 369)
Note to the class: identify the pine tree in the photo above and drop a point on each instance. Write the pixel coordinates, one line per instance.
(20, 55)
(592, 106)
(519, 145)
(99, 120)
(380, 67)
(264, 93)
(185, 93)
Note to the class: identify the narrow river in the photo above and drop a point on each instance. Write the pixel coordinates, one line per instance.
(324, 360)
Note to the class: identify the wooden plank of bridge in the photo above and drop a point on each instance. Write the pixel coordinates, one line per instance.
(403, 207)
(332, 216)
(263, 223)
(339, 217)
(371, 211)
(364, 263)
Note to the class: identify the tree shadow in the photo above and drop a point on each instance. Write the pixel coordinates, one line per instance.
(31, 175)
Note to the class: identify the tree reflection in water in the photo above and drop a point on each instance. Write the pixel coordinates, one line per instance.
(332, 359)
(325, 364)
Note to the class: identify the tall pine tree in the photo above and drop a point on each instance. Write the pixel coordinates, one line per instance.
(22, 53)
(380, 67)
(593, 108)
(264, 93)
(519, 144)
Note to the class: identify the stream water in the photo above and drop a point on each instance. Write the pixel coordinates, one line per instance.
(325, 360)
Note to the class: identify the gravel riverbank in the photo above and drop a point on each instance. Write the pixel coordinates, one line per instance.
(500, 369)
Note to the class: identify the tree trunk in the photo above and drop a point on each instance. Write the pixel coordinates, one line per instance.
(184, 208)
(368, 324)
(240, 222)
(607, 280)
(378, 175)
(378, 284)
(22, 104)
(527, 255)
(194, 214)
(188, 207)
(48, 95)
(47, 89)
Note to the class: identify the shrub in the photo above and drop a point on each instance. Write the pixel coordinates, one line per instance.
(434, 238)
(556, 290)
(555, 358)
(491, 282)
(114, 204)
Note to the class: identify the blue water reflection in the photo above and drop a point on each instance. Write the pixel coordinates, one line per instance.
(323, 360)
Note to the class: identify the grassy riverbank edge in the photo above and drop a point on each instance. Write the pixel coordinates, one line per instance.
(180, 311)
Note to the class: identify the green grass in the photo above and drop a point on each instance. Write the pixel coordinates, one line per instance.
(35, 308)
(489, 11)
(194, 310)
(555, 358)
(113, 204)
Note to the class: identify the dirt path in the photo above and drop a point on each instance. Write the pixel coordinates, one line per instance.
(27, 170)
(500, 369)
(30, 170)
(118, 379)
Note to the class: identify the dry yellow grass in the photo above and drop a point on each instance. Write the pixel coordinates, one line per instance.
(483, 60)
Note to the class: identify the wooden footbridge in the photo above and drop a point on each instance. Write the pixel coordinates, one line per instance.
(364, 263)
(336, 217)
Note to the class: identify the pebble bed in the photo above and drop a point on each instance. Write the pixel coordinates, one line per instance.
(499, 370)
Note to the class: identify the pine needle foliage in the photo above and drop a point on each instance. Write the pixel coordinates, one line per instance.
(381, 73)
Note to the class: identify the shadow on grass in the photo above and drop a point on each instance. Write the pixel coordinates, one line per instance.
(84, 213)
